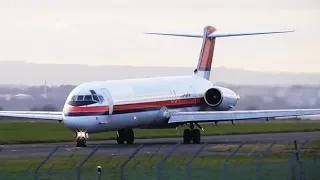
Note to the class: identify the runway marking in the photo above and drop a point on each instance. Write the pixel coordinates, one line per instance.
(110, 146)
(69, 149)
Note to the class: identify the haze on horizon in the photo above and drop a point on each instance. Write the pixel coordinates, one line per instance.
(111, 32)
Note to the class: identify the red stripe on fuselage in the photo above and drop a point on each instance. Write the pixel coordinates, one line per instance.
(142, 105)
(72, 109)
(155, 104)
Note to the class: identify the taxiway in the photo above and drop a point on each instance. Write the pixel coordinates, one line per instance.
(157, 146)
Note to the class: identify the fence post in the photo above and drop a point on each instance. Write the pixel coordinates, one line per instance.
(44, 161)
(296, 152)
(159, 165)
(190, 161)
(127, 161)
(296, 149)
(298, 160)
(266, 151)
(85, 160)
(228, 158)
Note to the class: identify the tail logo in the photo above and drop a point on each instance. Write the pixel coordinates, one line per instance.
(206, 54)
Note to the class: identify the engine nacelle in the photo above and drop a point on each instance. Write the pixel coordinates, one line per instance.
(221, 99)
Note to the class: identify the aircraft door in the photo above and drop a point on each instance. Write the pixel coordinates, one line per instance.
(175, 98)
(108, 99)
(107, 102)
(192, 93)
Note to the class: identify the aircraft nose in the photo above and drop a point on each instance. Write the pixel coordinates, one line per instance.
(87, 124)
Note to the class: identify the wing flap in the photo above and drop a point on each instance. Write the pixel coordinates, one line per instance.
(43, 115)
(216, 116)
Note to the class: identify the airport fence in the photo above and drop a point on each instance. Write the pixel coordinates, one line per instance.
(225, 161)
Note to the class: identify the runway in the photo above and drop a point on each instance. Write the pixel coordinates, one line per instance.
(151, 146)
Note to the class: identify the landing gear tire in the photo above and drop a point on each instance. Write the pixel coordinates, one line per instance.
(187, 136)
(81, 143)
(120, 137)
(125, 135)
(196, 136)
(193, 135)
(130, 136)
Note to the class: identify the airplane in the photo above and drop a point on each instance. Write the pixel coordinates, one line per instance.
(157, 102)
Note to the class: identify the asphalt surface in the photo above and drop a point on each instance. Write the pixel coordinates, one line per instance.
(158, 146)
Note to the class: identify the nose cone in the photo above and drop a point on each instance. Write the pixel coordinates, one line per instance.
(81, 123)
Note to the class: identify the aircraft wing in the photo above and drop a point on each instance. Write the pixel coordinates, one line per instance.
(218, 116)
(41, 115)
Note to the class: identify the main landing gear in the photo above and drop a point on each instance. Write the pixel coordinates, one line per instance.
(81, 139)
(125, 135)
(192, 134)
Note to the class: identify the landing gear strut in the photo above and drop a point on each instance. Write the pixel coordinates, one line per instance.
(125, 135)
(192, 134)
(81, 139)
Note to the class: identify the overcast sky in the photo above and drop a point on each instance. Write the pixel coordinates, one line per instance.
(110, 32)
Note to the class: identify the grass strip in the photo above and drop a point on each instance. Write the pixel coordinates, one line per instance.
(141, 161)
(36, 132)
(144, 167)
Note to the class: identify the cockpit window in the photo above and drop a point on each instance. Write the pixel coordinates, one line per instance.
(88, 98)
(83, 100)
(101, 98)
(95, 98)
(74, 98)
(80, 98)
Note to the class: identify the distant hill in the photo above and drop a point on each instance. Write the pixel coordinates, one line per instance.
(17, 72)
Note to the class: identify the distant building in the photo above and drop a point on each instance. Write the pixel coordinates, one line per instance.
(22, 96)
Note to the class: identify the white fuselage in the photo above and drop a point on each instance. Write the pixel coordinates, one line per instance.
(132, 103)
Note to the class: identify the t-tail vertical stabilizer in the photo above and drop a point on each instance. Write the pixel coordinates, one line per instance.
(209, 36)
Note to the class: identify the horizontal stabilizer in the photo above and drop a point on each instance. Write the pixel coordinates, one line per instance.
(178, 34)
(220, 34)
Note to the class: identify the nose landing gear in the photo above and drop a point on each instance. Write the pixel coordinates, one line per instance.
(81, 139)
